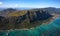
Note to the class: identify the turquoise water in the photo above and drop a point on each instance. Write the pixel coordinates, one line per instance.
(51, 29)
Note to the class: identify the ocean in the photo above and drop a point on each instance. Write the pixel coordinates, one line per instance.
(51, 29)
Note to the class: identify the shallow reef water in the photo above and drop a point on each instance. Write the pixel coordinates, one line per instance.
(51, 29)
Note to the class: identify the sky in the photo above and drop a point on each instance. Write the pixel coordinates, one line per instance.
(29, 3)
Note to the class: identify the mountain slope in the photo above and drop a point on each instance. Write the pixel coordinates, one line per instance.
(24, 19)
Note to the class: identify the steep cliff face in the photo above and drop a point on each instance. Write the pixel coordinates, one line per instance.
(3, 22)
(27, 20)
(38, 16)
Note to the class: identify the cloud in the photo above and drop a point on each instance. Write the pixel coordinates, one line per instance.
(12, 6)
(1, 3)
(16, 5)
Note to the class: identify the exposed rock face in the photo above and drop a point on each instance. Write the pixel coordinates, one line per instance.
(24, 21)
(38, 16)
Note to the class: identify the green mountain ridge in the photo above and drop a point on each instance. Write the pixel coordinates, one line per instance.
(24, 19)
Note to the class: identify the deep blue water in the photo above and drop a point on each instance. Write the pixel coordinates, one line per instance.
(51, 29)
